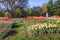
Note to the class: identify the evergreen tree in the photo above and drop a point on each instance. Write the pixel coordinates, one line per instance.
(57, 7)
(49, 7)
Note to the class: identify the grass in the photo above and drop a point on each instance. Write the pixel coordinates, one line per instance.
(20, 34)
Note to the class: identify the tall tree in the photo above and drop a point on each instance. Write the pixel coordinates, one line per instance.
(36, 10)
(57, 7)
(30, 12)
(43, 10)
(7, 14)
(49, 7)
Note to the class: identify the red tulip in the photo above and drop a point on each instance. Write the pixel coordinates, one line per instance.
(3, 18)
(33, 18)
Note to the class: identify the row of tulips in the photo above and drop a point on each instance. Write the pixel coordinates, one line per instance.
(35, 18)
(4, 18)
(43, 27)
(39, 29)
(6, 24)
(40, 18)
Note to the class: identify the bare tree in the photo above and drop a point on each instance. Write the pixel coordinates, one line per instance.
(10, 4)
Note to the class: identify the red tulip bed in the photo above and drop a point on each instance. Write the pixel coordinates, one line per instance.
(35, 18)
(4, 18)
(39, 18)
(56, 16)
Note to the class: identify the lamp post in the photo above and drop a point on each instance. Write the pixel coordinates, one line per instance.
(47, 19)
(47, 15)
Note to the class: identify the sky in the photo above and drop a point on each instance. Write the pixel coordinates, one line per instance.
(37, 2)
